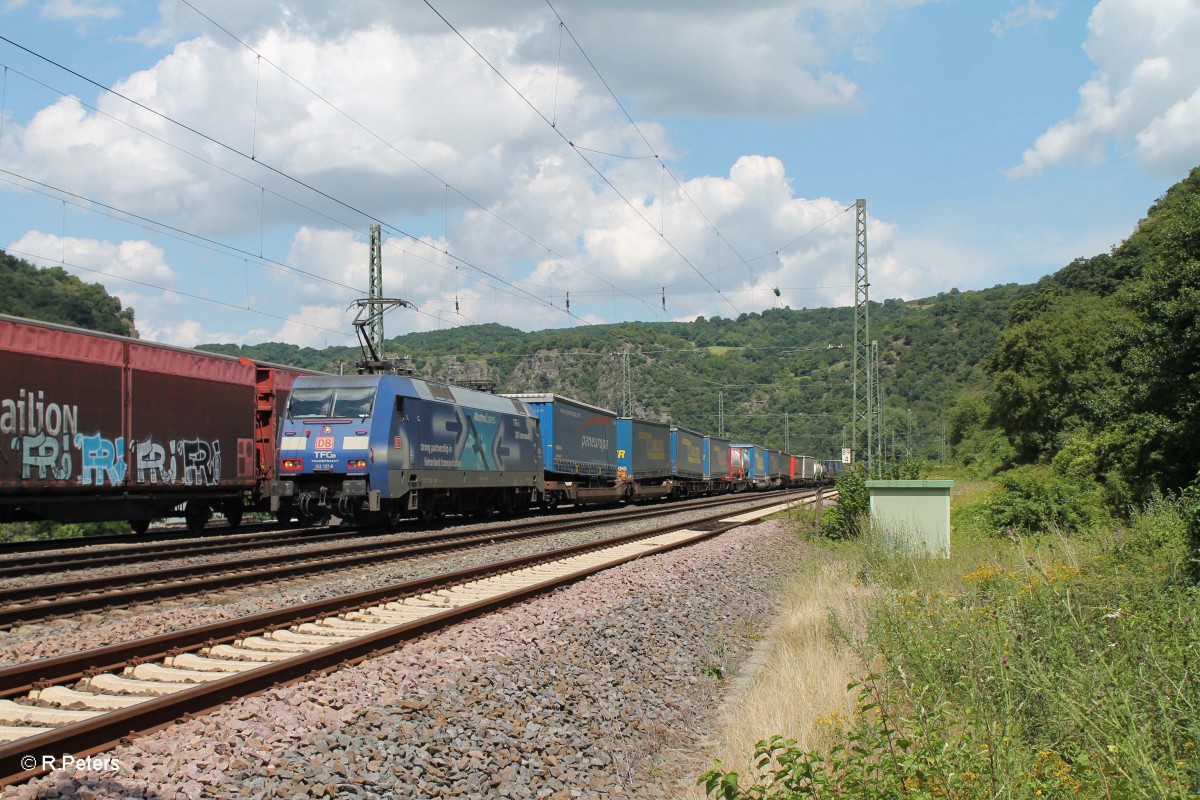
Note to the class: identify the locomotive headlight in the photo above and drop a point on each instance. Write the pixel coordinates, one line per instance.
(293, 464)
(359, 464)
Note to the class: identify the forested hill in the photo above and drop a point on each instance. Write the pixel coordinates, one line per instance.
(54, 295)
(1096, 367)
(782, 361)
(1099, 369)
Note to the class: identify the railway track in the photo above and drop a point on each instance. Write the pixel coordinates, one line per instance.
(41, 564)
(157, 535)
(119, 551)
(42, 601)
(45, 557)
(84, 703)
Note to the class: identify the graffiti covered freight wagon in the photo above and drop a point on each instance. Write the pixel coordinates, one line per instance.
(96, 427)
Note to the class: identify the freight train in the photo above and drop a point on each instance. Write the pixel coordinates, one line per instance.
(97, 427)
(366, 448)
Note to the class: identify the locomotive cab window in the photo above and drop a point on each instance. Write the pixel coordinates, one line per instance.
(353, 402)
(400, 408)
(327, 403)
(309, 403)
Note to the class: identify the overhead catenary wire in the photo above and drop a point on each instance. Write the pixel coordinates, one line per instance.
(163, 226)
(164, 229)
(599, 173)
(650, 147)
(3, 105)
(667, 170)
(274, 170)
(263, 191)
(168, 289)
(779, 250)
(391, 146)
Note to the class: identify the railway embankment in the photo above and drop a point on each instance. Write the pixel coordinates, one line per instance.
(1046, 662)
(597, 689)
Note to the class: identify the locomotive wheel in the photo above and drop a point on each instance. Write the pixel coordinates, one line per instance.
(311, 519)
(139, 526)
(432, 517)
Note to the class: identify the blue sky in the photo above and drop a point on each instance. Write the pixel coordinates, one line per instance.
(993, 142)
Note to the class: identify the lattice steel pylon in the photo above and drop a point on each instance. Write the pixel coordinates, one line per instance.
(375, 290)
(626, 385)
(877, 399)
(862, 415)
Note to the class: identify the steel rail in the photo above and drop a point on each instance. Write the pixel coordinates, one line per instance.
(74, 560)
(106, 730)
(38, 545)
(80, 558)
(44, 601)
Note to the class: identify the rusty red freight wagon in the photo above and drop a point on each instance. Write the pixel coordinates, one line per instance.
(96, 427)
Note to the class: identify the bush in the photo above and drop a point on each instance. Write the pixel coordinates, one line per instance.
(27, 531)
(1191, 516)
(844, 520)
(1037, 499)
(1043, 675)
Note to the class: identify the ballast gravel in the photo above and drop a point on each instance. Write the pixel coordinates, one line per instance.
(590, 691)
(100, 628)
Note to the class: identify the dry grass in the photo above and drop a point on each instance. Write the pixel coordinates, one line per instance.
(801, 683)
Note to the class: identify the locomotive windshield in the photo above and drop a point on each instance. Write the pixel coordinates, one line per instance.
(354, 402)
(327, 403)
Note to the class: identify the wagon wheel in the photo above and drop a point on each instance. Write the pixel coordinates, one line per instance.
(197, 515)
(139, 526)
(233, 510)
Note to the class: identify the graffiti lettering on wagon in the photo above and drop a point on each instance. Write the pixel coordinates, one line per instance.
(46, 436)
(101, 458)
(192, 462)
(42, 433)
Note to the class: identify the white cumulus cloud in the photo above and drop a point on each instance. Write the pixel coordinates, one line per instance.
(1144, 96)
(98, 261)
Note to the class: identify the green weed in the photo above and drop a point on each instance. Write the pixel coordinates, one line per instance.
(1019, 668)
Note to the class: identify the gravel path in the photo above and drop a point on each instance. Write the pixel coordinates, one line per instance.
(590, 691)
(56, 637)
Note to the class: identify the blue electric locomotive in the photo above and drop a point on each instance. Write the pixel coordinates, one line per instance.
(370, 447)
